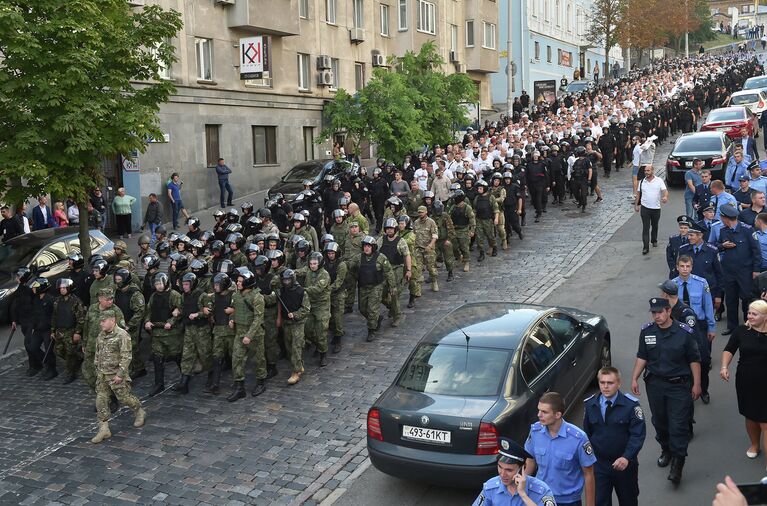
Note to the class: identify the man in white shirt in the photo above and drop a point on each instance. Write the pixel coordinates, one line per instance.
(422, 176)
(651, 194)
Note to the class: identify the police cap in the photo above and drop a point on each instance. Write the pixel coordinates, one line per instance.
(669, 287)
(729, 211)
(696, 228)
(683, 220)
(659, 304)
(511, 452)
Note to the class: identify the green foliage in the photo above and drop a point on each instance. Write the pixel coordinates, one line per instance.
(402, 109)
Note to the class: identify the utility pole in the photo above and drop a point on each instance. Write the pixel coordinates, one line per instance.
(509, 75)
(687, 30)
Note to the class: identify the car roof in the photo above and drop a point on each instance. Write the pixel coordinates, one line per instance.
(742, 108)
(488, 324)
(709, 133)
(747, 92)
(40, 237)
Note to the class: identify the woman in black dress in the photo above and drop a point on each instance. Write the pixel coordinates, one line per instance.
(751, 375)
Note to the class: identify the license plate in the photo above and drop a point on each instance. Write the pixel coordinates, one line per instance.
(688, 164)
(428, 435)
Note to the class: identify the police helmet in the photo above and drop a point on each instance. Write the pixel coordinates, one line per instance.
(316, 255)
(101, 266)
(190, 278)
(122, 277)
(65, 283)
(226, 266)
(232, 215)
(182, 263)
(390, 223)
(369, 240)
(198, 267)
(78, 262)
(217, 246)
(221, 282)
(246, 207)
(161, 279)
(288, 278)
(262, 265)
(237, 239)
(151, 262)
(193, 222)
(40, 285)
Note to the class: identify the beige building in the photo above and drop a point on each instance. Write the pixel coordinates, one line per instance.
(264, 126)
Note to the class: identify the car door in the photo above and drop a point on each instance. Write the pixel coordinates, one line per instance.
(577, 351)
(51, 260)
(540, 363)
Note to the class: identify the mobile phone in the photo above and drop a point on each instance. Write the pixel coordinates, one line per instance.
(755, 493)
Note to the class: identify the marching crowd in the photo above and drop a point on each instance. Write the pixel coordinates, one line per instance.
(265, 283)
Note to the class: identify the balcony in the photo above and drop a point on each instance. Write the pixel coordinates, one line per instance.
(478, 59)
(269, 17)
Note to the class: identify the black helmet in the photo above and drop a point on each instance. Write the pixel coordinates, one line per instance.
(273, 238)
(151, 262)
(276, 254)
(233, 215)
(100, 265)
(193, 222)
(496, 175)
(438, 208)
(288, 278)
(173, 237)
(459, 196)
(162, 247)
(262, 265)
(124, 277)
(390, 223)
(303, 246)
(185, 240)
(199, 268)
(190, 278)
(226, 266)
(404, 218)
(222, 281)
(554, 148)
(482, 184)
(331, 246)
(259, 238)
(369, 240)
(144, 239)
(217, 246)
(264, 213)
(40, 285)
(237, 239)
(207, 236)
(316, 255)
(246, 206)
(395, 203)
(252, 248)
(78, 262)
(580, 151)
(254, 224)
(65, 283)
(161, 278)
(182, 263)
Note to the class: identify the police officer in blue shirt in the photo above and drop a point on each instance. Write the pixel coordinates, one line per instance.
(674, 242)
(741, 262)
(709, 222)
(668, 355)
(705, 261)
(758, 182)
(695, 292)
(512, 486)
(721, 198)
(561, 453)
(614, 423)
(736, 167)
(702, 197)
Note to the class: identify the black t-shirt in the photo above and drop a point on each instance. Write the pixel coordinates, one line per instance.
(751, 344)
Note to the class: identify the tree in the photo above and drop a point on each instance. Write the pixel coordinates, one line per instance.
(67, 73)
(346, 114)
(642, 25)
(603, 30)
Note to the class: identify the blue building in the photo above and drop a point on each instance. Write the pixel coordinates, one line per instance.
(548, 42)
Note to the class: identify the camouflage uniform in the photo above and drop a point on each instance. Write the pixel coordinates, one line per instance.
(413, 200)
(396, 251)
(464, 221)
(416, 277)
(446, 239)
(340, 233)
(297, 302)
(425, 231)
(197, 335)
(67, 320)
(316, 284)
(486, 209)
(248, 321)
(373, 273)
(352, 250)
(499, 194)
(338, 272)
(91, 331)
(223, 335)
(113, 358)
(364, 225)
(130, 300)
(98, 284)
(167, 344)
(238, 258)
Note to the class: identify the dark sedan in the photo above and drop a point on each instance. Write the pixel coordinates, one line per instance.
(46, 251)
(476, 375)
(714, 148)
(314, 170)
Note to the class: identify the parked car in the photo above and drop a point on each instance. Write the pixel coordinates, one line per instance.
(477, 374)
(578, 86)
(756, 83)
(731, 120)
(44, 252)
(714, 148)
(755, 100)
(314, 170)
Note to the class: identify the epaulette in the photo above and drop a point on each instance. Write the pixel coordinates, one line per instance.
(698, 278)
(536, 486)
(631, 397)
(746, 225)
(707, 245)
(646, 325)
(587, 399)
(536, 427)
(575, 431)
(493, 483)
(686, 327)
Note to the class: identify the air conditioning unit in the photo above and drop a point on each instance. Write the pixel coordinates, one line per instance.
(460, 68)
(224, 2)
(357, 35)
(379, 60)
(453, 56)
(325, 78)
(323, 62)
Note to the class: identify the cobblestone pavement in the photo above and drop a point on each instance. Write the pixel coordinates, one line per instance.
(290, 445)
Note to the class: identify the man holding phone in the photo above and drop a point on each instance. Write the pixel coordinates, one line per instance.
(513, 486)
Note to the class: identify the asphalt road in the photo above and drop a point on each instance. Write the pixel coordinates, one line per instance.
(616, 282)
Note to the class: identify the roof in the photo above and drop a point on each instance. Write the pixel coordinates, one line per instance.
(45, 236)
(746, 92)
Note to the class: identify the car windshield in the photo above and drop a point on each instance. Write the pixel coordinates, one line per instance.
(575, 87)
(724, 115)
(748, 98)
(15, 255)
(756, 83)
(308, 170)
(454, 370)
(698, 145)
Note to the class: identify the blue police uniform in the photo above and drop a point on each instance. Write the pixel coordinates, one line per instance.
(711, 229)
(560, 459)
(705, 263)
(672, 249)
(495, 493)
(702, 198)
(738, 264)
(615, 431)
(761, 238)
(748, 216)
(734, 171)
(668, 354)
(720, 200)
(758, 184)
(701, 302)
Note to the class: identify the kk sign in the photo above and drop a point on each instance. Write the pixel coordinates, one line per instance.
(254, 57)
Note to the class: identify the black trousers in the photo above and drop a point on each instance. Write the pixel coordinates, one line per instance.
(581, 191)
(650, 219)
(625, 483)
(537, 194)
(123, 224)
(671, 407)
(511, 221)
(607, 163)
(36, 343)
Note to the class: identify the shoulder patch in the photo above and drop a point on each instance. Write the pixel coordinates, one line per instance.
(690, 321)
(548, 501)
(588, 448)
(638, 412)
(535, 427)
(646, 325)
(686, 327)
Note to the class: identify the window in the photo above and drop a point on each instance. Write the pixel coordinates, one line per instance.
(359, 76)
(559, 57)
(402, 15)
(548, 54)
(454, 38)
(470, 33)
(330, 11)
(212, 144)
(308, 143)
(358, 14)
(556, 13)
(588, 65)
(303, 9)
(569, 18)
(564, 329)
(163, 70)
(204, 49)
(537, 50)
(426, 21)
(547, 10)
(303, 71)
(533, 7)
(488, 37)
(384, 20)
(264, 145)
(538, 353)
(54, 253)
(334, 68)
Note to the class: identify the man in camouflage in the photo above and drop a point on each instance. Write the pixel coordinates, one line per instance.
(268, 284)
(340, 228)
(162, 318)
(352, 250)
(130, 300)
(248, 324)
(197, 337)
(112, 361)
(487, 219)
(416, 278)
(462, 216)
(294, 308)
(413, 200)
(446, 237)
(373, 273)
(218, 306)
(104, 300)
(122, 258)
(67, 327)
(426, 234)
(396, 251)
(99, 271)
(498, 192)
(337, 269)
(316, 283)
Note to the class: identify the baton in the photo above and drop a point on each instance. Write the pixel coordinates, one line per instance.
(48, 349)
(8, 343)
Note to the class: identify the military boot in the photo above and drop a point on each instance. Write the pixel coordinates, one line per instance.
(140, 418)
(411, 301)
(271, 370)
(494, 253)
(434, 285)
(295, 377)
(183, 385)
(323, 359)
(159, 376)
(49, 372)
(212, 387)
(664, 459)
(396, 321)
(102, 434)
(336, 342)
(238, 392)
(466, 267)
(449, 276)
(481, 256)
(505, 244)
(371, 335)
(260, 388)
(675, 475)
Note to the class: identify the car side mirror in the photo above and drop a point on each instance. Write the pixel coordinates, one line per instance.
(587, 328)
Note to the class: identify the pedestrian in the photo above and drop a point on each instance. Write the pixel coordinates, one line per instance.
(174, 195)
(561, 453)
(42, 217)
(464, 221)
(669, 357)
(596, 73)
(487, 213)
(736, 166)
(316, 282)
(614, 423)
(129, 299)
(121, 207)
(112, 360)
(749, 339)
(426, 235)
(675, 242)
(581, 173)
(293, 310)
(372, 271)
(162, 318)
(21, 317)
(104, 300)
(692, 178)
(153, 216)
(41, 343)
(218, 307)
(60, 215)
(512, 485)
(702, 197)
(67, 327)
(73, 214)
(10, 226)
(99, 211)
(396, 251)
(223, 171)
(651, 193)
(337, 269)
